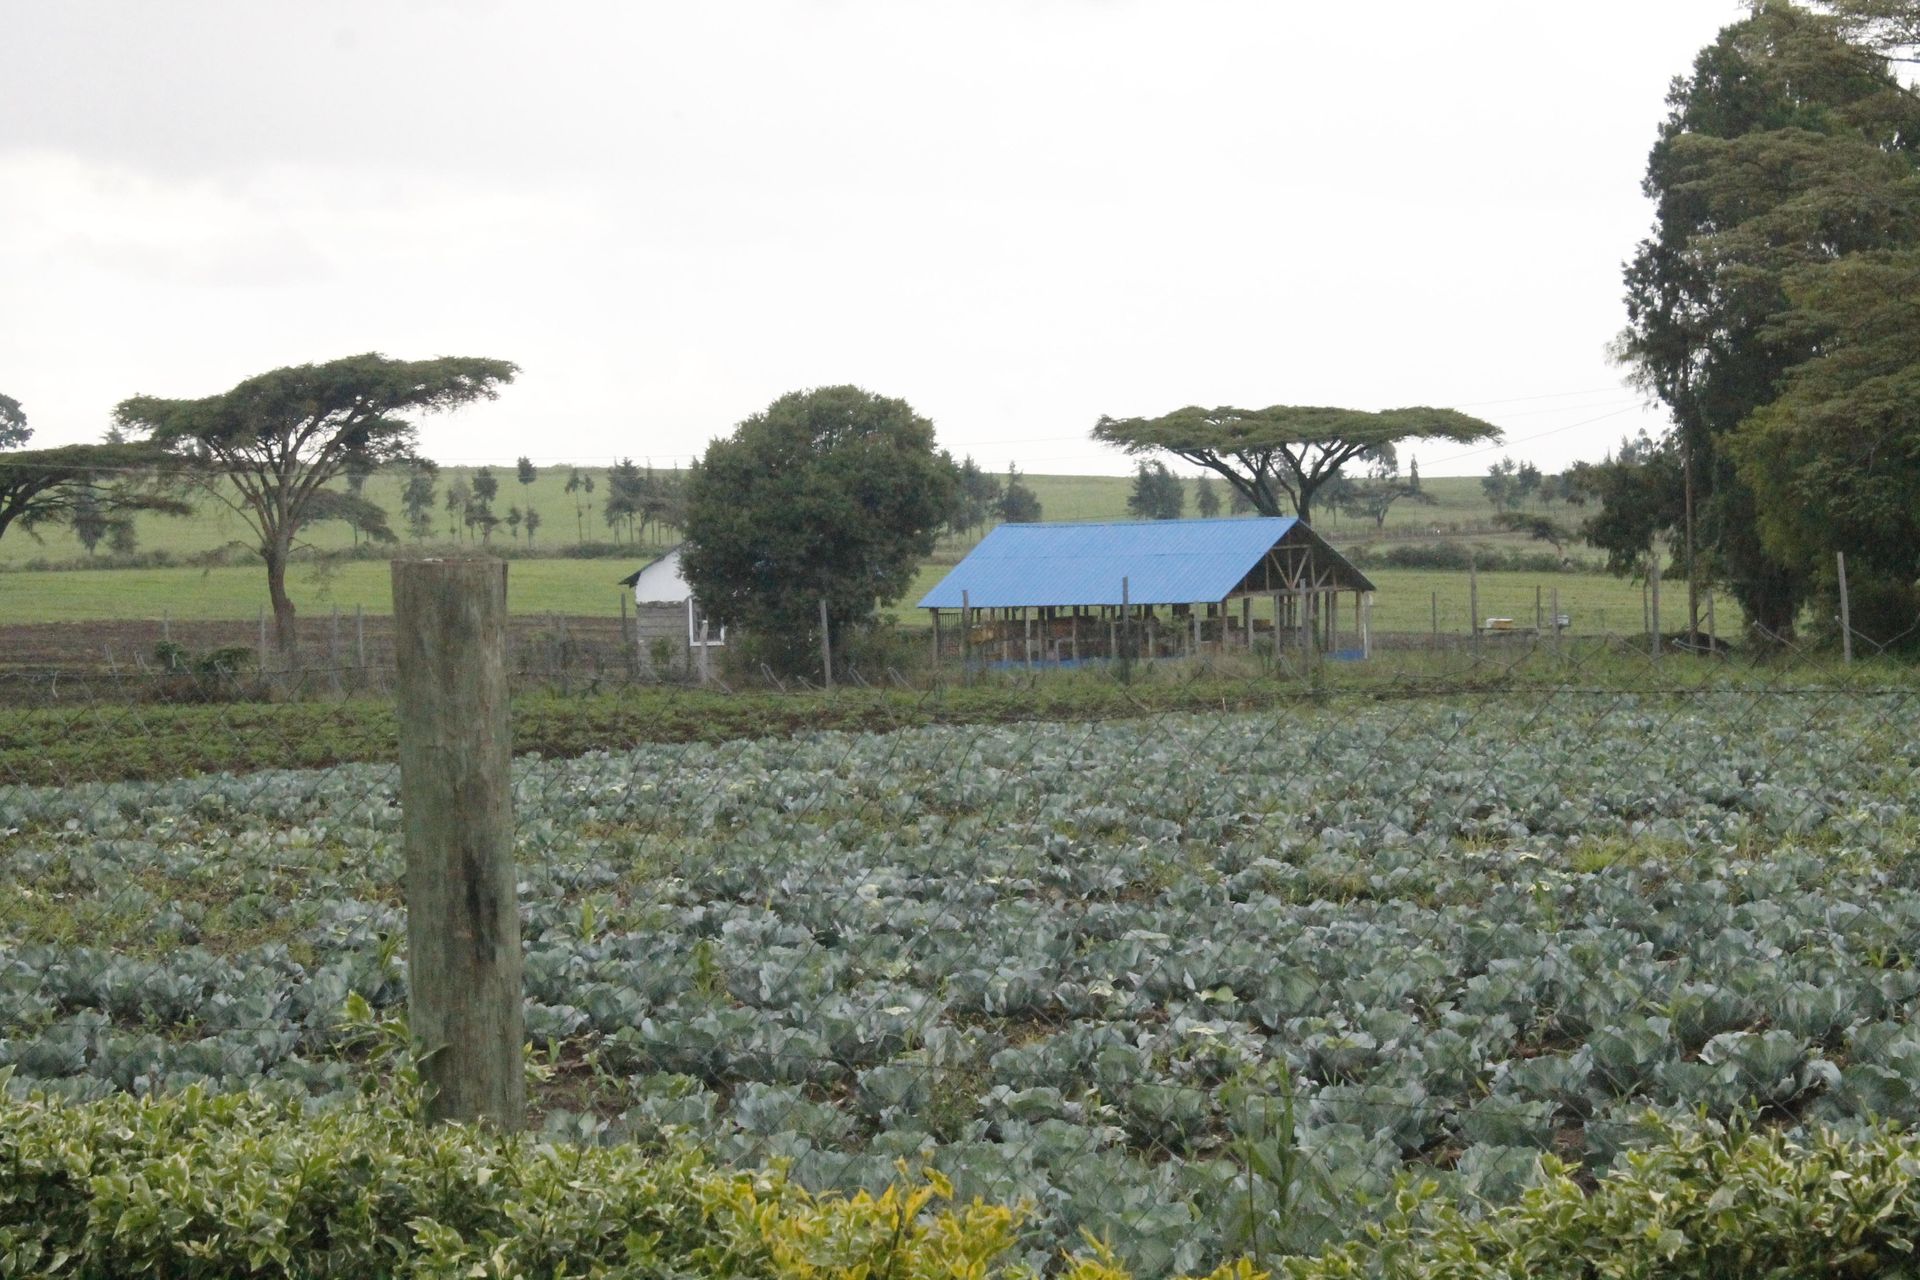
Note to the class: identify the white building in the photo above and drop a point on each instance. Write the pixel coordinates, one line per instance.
(664, 602)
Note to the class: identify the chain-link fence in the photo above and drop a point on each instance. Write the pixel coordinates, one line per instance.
(1197, 964)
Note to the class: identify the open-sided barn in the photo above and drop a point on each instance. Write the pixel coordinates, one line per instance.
(1062, 592)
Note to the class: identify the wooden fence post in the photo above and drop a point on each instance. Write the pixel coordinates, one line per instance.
(1713, 642)
(1653, 603)
(463, 924)
(1556, 620)
(1846, 611)
(1473, 603)
(333, 651)
(826, 647)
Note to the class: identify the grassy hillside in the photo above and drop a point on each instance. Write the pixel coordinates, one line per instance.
(589, 587)
(567, 519)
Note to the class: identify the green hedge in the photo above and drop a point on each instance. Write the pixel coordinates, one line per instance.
(1700, 1204)
(196, 1187)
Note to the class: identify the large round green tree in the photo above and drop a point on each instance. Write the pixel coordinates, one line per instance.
(832, 494)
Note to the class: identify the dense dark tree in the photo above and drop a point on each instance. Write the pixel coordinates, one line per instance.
(416, 499)
(270, 448)
(1157, 493)
(1640, 498)
(533, 523)
(1285, 451)
(625, 496)
(833, 494)
(1206, 498)
(1501, 484)
(976, 499)
(1018, 504)
(459, 496)
(14, 431)
(1787, 149)
(579, 485)
(1834, 460)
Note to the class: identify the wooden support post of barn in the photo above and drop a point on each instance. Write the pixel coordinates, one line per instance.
(936, 646)
(463, 924)
(966, 638)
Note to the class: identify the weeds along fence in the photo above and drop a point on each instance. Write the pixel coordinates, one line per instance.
(1211, 964)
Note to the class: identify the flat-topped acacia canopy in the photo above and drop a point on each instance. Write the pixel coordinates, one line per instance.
(1285, 449)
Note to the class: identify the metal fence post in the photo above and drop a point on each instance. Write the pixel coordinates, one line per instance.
(463, 924)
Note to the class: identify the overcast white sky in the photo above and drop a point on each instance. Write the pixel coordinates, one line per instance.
(1017, 216)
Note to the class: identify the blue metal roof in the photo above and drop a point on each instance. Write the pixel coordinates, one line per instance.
(1163, 561)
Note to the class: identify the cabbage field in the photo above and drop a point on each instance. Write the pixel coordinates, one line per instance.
(1195, 985)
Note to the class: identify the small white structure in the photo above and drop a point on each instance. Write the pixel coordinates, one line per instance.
(661, 592)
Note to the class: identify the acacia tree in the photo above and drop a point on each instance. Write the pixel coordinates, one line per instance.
(1285, 452)
(269, 448)
(93, 486)
(1376, 495)
(833, 494)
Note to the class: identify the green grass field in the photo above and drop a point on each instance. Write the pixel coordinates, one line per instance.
(589, 586)
(567, 519)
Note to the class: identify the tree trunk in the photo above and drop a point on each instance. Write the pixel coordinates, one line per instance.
(283, 621)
